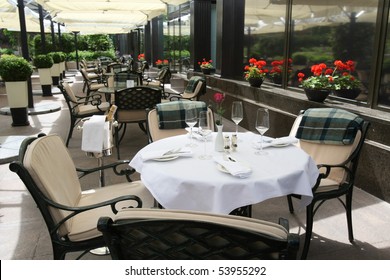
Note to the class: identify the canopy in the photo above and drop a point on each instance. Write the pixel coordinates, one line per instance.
(102, 16)
(86, 16)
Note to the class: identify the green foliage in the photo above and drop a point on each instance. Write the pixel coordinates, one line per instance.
(58, 57)
(43, 61)
(15, 68)
(99, 42)
(6, 51)
(299, 59)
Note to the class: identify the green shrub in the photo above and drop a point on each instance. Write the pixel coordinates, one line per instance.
(299, 59)
(15, 68)
(58, 57)
(43, 61)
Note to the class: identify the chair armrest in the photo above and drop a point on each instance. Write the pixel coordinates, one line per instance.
(328, 169)
(78, 210)
(125, 170)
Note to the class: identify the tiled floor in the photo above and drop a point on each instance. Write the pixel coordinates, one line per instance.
(23, 234)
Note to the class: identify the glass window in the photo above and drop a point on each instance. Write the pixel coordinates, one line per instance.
(264, 37)
(177, 37)
(325, 31)
(384, 90)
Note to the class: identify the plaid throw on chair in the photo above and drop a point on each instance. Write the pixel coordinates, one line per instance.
(191, 85)
(171, 115)
(329, 126)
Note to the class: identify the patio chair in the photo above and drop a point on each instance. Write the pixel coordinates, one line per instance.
(334, 139)
(195, 88)
(91, 85)
(71, 215)
(132, 104)
(81, 107)
(174, 113)
(163, 77)
(189, 235)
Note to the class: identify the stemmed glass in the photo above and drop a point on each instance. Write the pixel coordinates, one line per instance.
(204, 130)
(237, 113)
(191, 120)
(262, 125)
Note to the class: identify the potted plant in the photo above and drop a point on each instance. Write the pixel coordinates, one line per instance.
(62, 65)
(206, 66)
(276, 72)
(318, 86)
(160, 63)
(141, 57)
(345, 84)
(255, 72)
(55, 69)
(15, 71)
(44, 62)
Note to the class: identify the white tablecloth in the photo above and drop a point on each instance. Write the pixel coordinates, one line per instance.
(194, 184)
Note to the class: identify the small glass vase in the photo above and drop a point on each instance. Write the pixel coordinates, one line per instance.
(219, 143)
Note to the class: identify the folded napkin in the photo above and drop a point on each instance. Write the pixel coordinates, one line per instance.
(282, 141)
(166, 153)
(234, 167)
(94, 132)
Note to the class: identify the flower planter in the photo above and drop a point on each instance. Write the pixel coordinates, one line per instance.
(17, 95)
(55, 73)
(277, 80)
(317, 95)
(45, 80)
(206, 71)
(255, 82)
(347, 93)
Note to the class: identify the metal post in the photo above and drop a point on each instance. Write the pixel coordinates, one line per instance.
(23, 39)
(75, 45)
(42, 28)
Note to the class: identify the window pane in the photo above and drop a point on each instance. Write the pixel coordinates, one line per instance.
(177, 37)
(264, 32)
(384, 91)
(333, 30)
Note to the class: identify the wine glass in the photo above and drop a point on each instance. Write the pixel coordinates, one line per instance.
(191, 120)
(262, 125)
(204, 130)
(237, 113)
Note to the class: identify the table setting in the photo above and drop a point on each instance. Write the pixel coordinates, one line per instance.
(226, 180)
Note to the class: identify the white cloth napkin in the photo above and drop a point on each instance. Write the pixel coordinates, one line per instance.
(282, 141)
(94, 132)
(161, 154)
(234, 167)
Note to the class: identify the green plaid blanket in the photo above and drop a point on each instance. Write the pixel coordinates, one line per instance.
(171, 115)
(192, 83)
(329, 126)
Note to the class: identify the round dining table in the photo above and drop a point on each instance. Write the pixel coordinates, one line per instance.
(190, 183)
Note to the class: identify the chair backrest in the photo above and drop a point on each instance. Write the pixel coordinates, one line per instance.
(70, 97)
(170, 234)
(153, 127)
(116, 67)
(49, 173)
(333, 154)
(133, 102)
(164, 75)
(121, 79)
(195, 88)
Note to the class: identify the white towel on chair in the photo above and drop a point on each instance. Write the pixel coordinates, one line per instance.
(93, 134)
